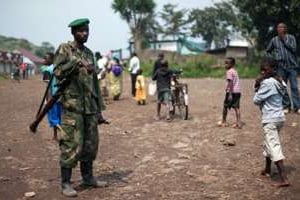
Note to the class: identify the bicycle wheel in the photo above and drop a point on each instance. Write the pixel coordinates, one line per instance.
(172, 104)
(183, 108)
(172, 109)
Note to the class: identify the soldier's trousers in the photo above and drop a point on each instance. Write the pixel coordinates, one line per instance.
(78, 138)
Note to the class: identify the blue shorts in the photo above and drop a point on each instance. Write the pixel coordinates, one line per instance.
(54, 115)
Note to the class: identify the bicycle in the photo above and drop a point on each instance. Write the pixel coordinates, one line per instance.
(180, 98)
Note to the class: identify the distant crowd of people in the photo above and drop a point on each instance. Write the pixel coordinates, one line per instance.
(22, 71)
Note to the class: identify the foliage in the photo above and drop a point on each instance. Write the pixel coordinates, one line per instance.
(135, 13)
(214, 24)
(3, 76)
(45, 48)
(264, 15)
(173, 20)
(150, 29)
(11, 44)
(203, 65)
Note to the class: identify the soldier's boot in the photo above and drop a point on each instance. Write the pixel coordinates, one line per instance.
(66, 187)
(88, 180)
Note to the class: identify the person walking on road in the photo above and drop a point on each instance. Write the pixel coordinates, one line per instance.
(134, 66)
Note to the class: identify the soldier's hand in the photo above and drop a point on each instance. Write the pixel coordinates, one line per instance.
(84, 63)
(90, 68)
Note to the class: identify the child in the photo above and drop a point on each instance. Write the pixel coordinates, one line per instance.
(269, 93)
(233, 93)
(140, 90)
(163, 81)
(54, 114)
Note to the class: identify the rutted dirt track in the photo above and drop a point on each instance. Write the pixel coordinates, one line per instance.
(145, 159)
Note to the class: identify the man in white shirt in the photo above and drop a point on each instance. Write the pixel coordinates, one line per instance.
(134, 66)
(102, 63)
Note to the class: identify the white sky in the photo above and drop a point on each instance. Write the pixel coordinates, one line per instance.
(47, 20)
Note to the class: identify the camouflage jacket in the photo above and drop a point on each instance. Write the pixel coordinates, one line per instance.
(82, 95)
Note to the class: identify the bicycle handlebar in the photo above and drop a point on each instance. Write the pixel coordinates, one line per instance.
(177, 72)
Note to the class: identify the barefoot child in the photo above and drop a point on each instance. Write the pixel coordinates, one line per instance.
(163, 82)
(140, 90)
(233, 93)
(269, 93)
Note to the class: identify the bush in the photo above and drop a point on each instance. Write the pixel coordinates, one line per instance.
(3, 76)
(203, 65)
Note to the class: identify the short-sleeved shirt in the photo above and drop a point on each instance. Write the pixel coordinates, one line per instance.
(163, 77)
(134, 65)
(53, 87)
(156, 66)
(232, 75)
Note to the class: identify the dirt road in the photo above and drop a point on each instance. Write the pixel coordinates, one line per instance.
(145, 159)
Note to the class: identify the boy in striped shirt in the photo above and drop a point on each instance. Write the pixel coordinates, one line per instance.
(233, 93)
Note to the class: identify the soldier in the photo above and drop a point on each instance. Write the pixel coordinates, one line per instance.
(82, 105)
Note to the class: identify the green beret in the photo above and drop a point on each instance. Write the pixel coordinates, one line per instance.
(79, 22)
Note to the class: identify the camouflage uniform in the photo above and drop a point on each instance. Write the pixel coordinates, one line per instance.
(81, 102)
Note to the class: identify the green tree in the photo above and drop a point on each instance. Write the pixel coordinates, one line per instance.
(214, 24)
(173, 20)
(150, 29)
(44, 48)
(135, 13)
(10, 44)
(264, 15)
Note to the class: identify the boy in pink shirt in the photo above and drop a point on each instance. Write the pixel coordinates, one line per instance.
(233, 93)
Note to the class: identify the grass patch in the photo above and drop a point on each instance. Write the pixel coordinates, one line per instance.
(203, 66)
(3, 76)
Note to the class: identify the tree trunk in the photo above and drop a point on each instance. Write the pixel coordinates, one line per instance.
(137, 37)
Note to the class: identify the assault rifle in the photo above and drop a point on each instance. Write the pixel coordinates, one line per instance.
(45, 95)
(61, 87)
(41, 113)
